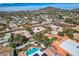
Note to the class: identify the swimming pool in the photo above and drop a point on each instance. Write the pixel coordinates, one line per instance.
(32, 50)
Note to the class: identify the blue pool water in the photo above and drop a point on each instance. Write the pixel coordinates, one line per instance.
(32, 50)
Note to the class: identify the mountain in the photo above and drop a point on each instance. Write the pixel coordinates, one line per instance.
(42, 10)
(46, 10)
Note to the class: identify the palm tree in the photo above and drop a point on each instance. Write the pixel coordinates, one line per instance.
(38, 36)
(11, 38)
(18, 38)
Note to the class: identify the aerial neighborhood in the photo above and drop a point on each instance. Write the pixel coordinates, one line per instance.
(44, 32)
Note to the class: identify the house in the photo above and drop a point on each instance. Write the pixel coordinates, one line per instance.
(27, 34)
(51, 52)
(76, 36)
(21, 53)
(48, 52)
(71, 47)
(67, 48)
(76, 28)
(5, 44)
(12, 25)
(24, 33)
(25, 17)
(6, 51)
(49, 20)
(56, 29)
(20, 47)
(59, 49)
(50, 35)
(37, 29)
(53, 35)
(5, 38)
(34, 22)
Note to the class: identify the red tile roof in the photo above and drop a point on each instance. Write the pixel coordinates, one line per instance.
(54, 35)
(48, 52)
(59, 49)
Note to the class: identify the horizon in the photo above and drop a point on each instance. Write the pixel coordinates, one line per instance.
(36, 6)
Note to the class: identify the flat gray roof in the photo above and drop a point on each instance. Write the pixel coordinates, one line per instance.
(71, 47)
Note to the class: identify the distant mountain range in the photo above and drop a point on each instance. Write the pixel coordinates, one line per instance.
(44, 10)
(51, 9)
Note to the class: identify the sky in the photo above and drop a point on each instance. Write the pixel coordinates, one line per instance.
(35, 6)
